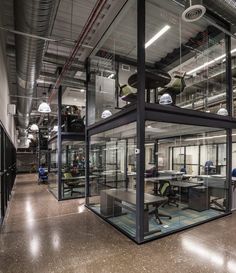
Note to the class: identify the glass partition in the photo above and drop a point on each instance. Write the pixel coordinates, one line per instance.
(112, 176)
(185, 61)
(73, 119)
(53, 168)
(73, 169)
(188, 192)
(111, 64)
(72, 184)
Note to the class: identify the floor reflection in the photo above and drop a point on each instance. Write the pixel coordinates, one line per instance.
(202, 251)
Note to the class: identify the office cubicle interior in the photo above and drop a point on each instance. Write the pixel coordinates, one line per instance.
(112, 167)
(8, 171)
(191, 162)
(73, 169)
(190, 158)
(72, 182)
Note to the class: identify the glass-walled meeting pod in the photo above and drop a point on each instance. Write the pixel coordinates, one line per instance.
(152, 104)
(67, 179)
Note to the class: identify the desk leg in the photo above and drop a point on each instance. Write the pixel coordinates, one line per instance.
(155, 188)
(108, 206)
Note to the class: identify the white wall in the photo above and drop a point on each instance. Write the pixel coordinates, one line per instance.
(7, 120)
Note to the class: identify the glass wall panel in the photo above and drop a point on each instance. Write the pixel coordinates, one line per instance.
(111, 64)
(187, 192)
(53, 168)
(185, 61)
(73, 169)
(73, 116)
(112, 176)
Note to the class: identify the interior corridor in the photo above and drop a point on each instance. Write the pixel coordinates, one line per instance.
(41, 234)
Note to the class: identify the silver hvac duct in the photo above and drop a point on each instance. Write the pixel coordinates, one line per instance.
(224, 8)
(31, 17)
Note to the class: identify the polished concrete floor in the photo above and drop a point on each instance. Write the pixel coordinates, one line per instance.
(43, 235)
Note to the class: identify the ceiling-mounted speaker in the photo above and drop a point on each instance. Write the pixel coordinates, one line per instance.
(194, 10)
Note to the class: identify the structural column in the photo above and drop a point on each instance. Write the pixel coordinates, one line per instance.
(140, 151)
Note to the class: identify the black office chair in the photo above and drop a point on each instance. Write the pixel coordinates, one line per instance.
(166, 190)
(163, 191)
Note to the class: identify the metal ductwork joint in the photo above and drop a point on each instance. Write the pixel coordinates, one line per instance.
(31, 17)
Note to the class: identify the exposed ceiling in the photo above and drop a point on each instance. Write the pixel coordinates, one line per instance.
(188, 40)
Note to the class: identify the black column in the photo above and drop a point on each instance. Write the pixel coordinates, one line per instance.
(87, 188)
(59, 150)
(230, 109)
(140, 122)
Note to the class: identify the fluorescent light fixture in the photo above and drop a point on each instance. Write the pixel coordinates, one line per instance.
(208, 137)
(209, 63)
(111, 76)
(157, 36)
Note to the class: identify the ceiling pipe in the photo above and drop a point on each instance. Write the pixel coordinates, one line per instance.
(31, 17)
(87, 27)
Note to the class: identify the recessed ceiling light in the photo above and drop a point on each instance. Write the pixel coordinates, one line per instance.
(82, 90)
(75, 99)
(157, 36)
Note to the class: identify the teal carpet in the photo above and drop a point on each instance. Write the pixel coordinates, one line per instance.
(180, 218)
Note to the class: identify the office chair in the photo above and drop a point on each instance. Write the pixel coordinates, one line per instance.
(71, 183)
(42, 175)
(234, 172)
(163, 191)
(166, 190)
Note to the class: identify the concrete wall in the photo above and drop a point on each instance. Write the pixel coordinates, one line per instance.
(7, 120)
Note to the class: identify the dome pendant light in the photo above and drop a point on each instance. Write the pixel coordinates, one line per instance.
(166, 99)
(44, 108)
(34, 127)
(222, 111)
(106, 114)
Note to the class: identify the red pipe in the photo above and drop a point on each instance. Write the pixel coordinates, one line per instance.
(87, 27)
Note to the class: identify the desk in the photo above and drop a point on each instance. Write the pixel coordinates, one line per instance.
(111, 203)
(217, 187)
(173, 183)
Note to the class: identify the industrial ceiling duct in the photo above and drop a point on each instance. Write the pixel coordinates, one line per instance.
(31, 17)
(223, 8)
(194, 10)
